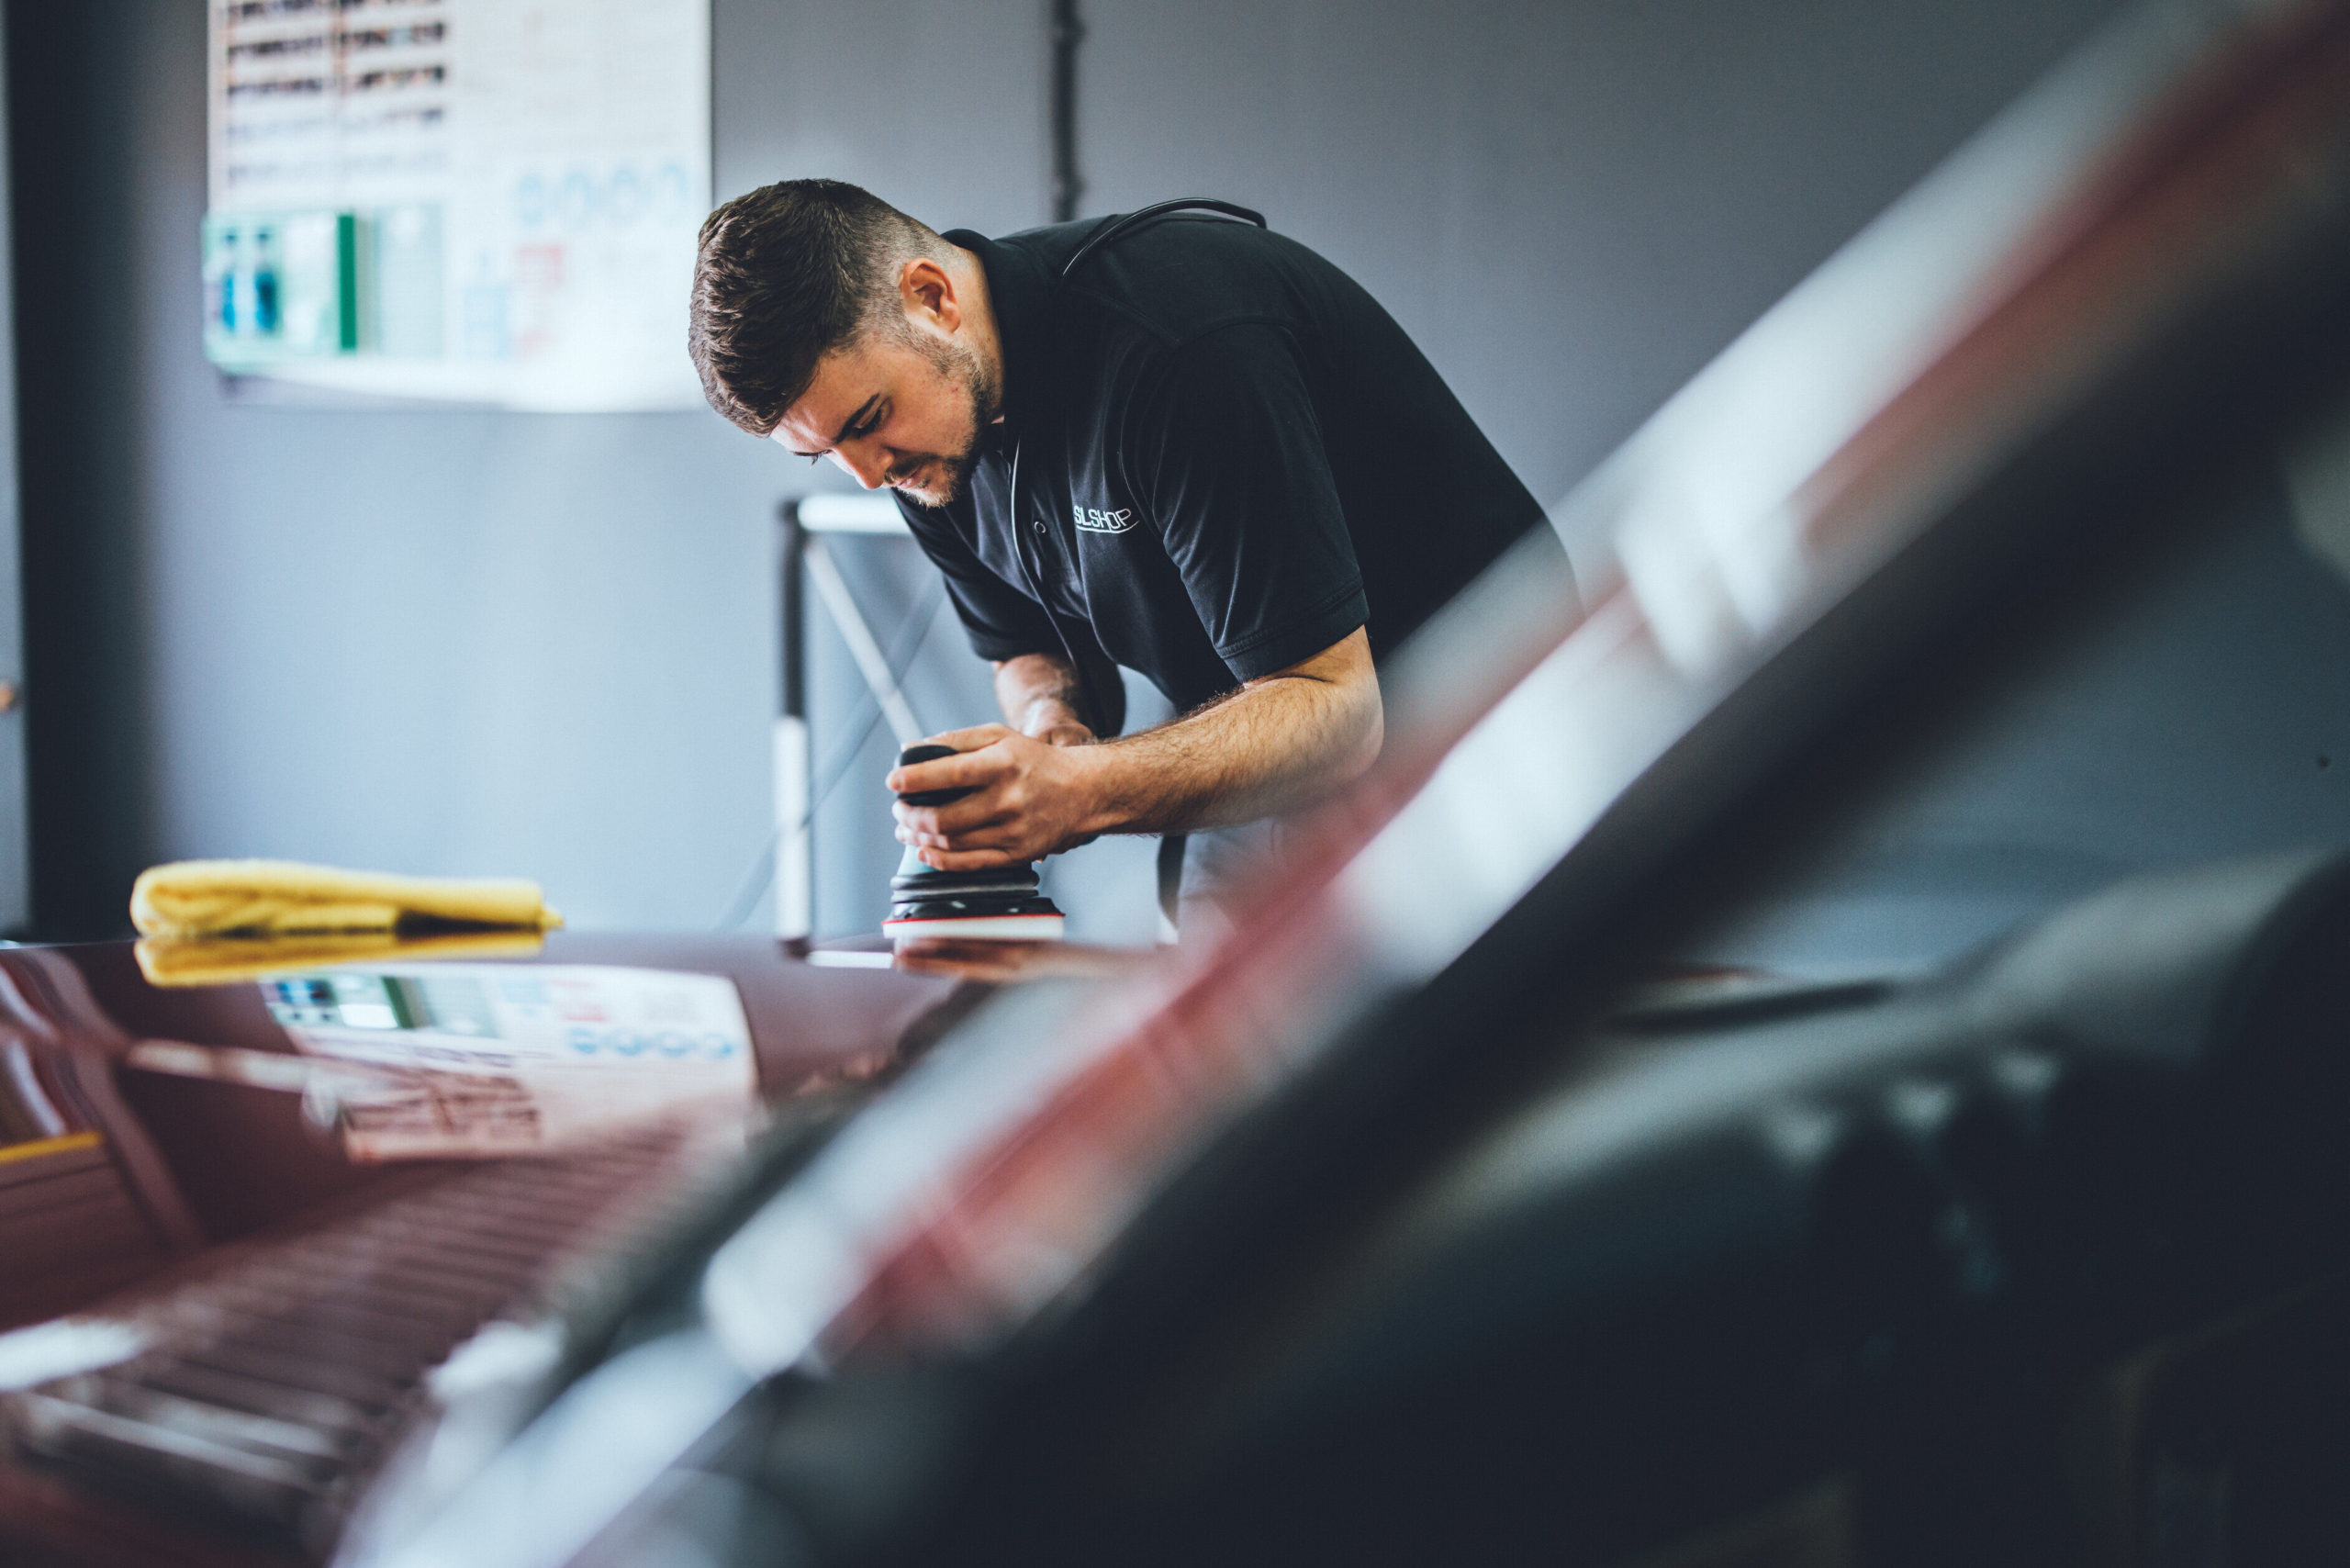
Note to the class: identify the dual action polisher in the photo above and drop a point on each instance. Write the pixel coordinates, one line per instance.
(1000, 903)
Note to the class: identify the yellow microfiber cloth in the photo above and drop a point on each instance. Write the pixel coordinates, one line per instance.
(178, 962)
(277, 898)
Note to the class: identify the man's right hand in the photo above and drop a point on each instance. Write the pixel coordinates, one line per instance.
(1027, 799)
(1066, 729)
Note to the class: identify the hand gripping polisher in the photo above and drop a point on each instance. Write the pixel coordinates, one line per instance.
(1002, 902)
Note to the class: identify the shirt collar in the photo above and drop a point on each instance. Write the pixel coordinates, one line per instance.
(1022, 293)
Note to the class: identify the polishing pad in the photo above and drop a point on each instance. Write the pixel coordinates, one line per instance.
(1041, 927)
(1001, 903)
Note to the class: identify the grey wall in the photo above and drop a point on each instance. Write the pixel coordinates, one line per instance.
(1570, 205)
(464, 641)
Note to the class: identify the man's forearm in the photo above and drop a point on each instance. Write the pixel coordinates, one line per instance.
(1278, 742)
(1271, 746)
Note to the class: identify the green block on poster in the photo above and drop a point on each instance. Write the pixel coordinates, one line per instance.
(284, 286)
(346, 276)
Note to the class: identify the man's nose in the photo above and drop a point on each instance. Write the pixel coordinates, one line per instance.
(867, 465)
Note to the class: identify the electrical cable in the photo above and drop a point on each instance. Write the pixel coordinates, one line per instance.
(1067, 33)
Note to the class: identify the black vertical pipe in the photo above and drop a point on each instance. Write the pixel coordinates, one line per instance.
(793, 601)
(1067, 32)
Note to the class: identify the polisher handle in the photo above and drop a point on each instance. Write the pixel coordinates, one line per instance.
(927, 752)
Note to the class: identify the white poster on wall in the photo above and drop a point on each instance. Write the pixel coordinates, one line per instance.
(489, 201)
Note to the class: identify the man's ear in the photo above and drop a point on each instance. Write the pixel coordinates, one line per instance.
(928, 290)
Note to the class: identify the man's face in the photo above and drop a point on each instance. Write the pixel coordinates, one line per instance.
(901, 409)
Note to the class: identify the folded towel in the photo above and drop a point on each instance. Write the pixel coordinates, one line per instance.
(268, 898)
(177, 961)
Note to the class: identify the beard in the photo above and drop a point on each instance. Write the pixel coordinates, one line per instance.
(936, 478)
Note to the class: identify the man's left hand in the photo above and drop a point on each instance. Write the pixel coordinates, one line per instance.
(1030, 798)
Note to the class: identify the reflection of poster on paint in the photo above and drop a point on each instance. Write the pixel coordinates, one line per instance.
(469, 1059)
(483, 200)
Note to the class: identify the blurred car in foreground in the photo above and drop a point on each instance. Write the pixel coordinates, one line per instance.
(1830, 1050)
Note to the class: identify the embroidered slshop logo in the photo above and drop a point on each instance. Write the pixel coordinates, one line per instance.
(1096, 519)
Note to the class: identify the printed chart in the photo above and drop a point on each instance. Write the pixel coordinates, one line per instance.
(485, 201)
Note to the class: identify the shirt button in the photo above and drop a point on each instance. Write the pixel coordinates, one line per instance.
(1038, 526)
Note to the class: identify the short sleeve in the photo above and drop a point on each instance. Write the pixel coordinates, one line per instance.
(1227, 453)
(1002, 621)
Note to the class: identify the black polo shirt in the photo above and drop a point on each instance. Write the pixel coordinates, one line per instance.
(1229, 458)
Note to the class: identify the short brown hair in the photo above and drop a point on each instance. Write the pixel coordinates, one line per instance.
(783, 276)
